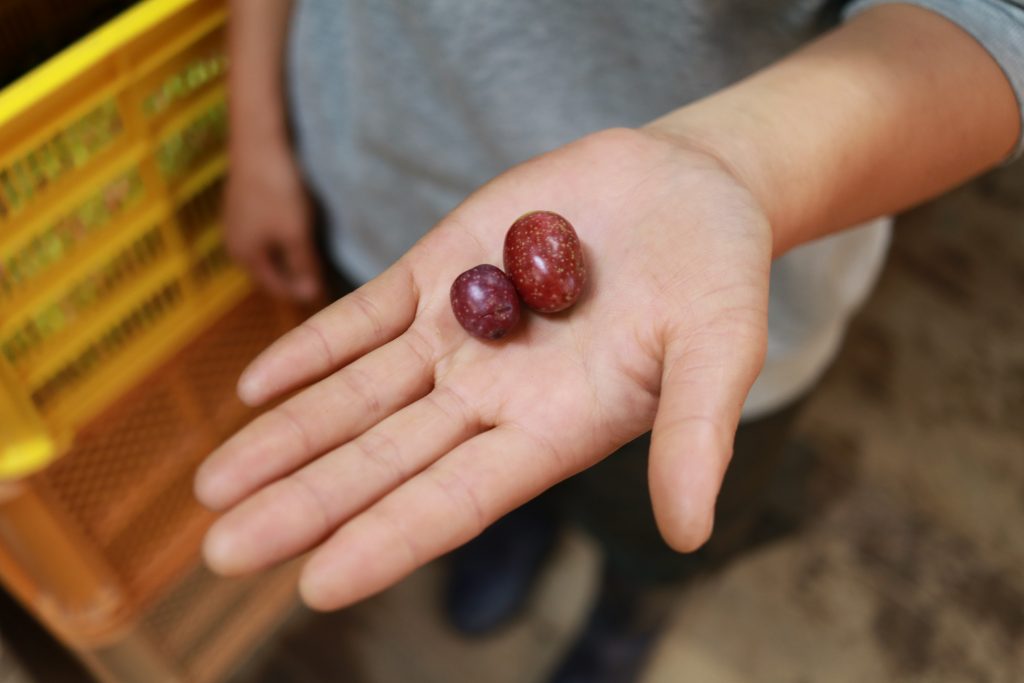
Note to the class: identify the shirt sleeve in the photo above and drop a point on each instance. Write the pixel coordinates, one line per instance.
(998, 25)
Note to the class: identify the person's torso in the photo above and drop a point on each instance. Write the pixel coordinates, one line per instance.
(418, 102)
(404, 107)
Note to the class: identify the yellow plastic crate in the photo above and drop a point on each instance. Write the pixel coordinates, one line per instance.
(111, 163)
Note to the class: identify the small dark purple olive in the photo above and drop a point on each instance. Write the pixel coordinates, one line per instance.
(485, 302)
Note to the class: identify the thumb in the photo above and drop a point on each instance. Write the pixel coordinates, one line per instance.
(705, 381)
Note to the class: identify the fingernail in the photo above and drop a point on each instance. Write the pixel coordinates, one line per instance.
(209, 487)
(316, 589)
(204, 489)
(251, 388)
(219, 552)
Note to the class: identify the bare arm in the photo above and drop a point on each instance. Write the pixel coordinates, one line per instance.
(256, 41)
(267, 213)
(895, 107)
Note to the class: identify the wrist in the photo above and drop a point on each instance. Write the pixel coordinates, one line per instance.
(254, 145)
(869, 119)
(729, 140)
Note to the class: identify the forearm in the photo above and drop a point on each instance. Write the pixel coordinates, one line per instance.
(893, 107)
(257, 32)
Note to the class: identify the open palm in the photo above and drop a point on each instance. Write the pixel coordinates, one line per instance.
(412, 436)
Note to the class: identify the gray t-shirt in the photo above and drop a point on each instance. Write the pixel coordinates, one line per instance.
(404, 107)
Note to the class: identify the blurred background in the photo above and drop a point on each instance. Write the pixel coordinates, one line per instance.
(893, 552)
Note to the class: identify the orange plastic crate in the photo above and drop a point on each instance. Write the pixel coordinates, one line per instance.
(104, 542)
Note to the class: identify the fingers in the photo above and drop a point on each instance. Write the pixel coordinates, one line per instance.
(434, 512)
(291, 515)
(326, 414)
(304, 277)
(265, 272)
(353, 326)
(705, 381)
(287, 271)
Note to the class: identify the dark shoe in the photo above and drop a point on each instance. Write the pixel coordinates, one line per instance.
(491, 576)
(617, 638)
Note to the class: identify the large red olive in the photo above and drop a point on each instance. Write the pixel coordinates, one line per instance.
(484, 302)
(544, 260)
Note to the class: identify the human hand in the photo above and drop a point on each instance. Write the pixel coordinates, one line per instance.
(410, 436)
(268, 222)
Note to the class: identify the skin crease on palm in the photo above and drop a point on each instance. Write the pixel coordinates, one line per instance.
(413, 436)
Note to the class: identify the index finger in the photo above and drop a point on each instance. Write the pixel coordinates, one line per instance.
(354, 325)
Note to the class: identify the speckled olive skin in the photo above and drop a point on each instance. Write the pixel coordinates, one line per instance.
(544, 260)
(484, 302)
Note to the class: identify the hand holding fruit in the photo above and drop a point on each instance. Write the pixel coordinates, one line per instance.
(411, 436)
